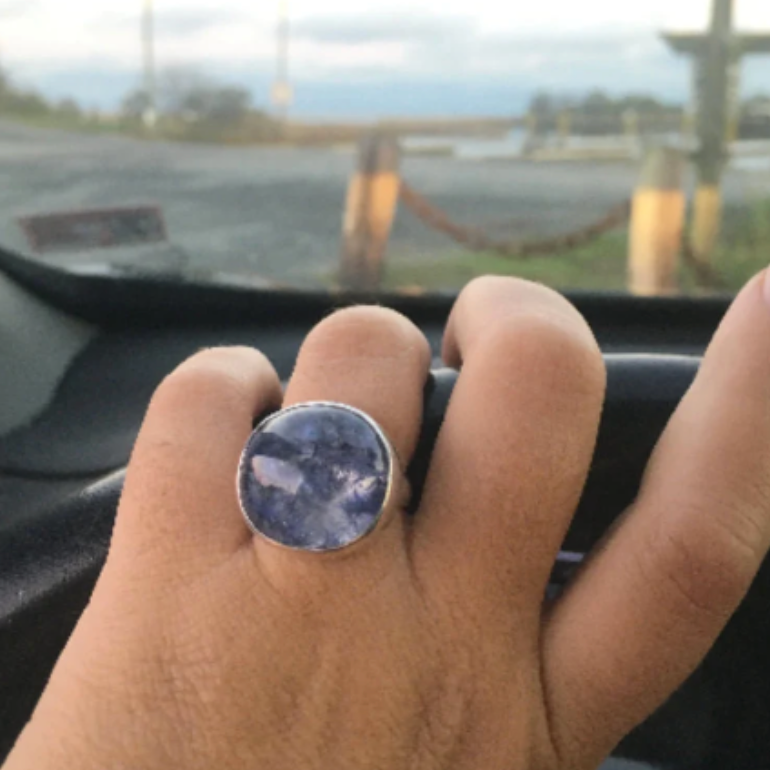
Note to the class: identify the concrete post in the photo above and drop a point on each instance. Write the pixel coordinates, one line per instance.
(712, 130)
(657, 224)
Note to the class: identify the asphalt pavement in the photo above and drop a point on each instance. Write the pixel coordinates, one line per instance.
(276, 212)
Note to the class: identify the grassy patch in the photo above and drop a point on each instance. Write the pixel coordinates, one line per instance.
(744, 247)
(600, 266)
(65, 122)
(744, 250)
(253, 129)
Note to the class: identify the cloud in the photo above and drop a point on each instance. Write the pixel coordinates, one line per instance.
(369, 64)
(367, 28)
(569, 54)
(452, 47)
(172, 22)
(188, 21)
(14, 9)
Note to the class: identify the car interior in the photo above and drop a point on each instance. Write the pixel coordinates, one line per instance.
(83, 353)
(176, 176)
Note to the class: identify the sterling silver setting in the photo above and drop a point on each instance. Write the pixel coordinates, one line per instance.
(320, 477)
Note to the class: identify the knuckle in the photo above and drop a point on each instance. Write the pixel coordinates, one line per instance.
(484, 285)
(751, 522)
(206, 377)
(368, 332)
(561, 350)
(490, 289)
(446, 710)
(706, 568)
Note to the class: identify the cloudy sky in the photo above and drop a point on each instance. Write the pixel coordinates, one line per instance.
(361, 59)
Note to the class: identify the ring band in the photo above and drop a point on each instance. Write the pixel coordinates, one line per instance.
(319, 477)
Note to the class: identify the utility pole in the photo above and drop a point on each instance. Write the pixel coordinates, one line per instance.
(150, 116)
(282, 96)
(711, 124)
(716, 60)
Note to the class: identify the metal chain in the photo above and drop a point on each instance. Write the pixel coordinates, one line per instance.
(705, 275)
(477, 240)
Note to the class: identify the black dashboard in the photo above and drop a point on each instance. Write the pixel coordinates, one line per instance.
(60, 472)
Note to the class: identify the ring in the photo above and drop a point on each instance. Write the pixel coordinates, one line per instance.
(318, 477)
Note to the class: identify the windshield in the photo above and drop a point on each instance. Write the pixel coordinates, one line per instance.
(590, 145)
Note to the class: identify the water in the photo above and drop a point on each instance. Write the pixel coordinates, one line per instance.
(464, 148)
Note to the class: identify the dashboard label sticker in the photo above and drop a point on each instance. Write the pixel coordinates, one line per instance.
(97, 229)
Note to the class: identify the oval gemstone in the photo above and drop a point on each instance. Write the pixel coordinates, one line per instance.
(315, 477)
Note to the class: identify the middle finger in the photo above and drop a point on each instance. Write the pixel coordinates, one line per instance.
(514, 451)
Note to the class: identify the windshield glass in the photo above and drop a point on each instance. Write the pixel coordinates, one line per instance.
(590, 145)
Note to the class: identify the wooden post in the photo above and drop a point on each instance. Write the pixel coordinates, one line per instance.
(370, 210)
(657, 224)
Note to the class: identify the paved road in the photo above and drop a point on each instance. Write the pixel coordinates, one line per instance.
(277, 212)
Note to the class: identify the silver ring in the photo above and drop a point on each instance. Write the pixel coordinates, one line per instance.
(319, 477)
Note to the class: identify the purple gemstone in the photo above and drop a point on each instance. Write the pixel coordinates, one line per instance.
(315, 477)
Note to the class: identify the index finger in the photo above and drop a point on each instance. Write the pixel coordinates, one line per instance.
(180, 493)
(650, 604)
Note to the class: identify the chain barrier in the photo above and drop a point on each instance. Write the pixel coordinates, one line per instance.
(477, 240)
(705, 275)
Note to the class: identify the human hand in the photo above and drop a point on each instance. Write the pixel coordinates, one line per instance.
(429, 646)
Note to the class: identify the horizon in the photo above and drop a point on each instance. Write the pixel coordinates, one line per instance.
(464, 57)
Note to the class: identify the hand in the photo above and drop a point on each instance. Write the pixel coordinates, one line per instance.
(429, 646)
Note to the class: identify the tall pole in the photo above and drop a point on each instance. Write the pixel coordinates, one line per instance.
(284, 32)
(148, 52)
(282, 92)
(715, 64)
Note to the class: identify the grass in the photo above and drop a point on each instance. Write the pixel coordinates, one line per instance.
(599, 266)
(254, 129)
(745, 244)
(744, 250)
(61, 122)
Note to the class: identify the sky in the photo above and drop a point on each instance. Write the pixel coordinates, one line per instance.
(369, 59)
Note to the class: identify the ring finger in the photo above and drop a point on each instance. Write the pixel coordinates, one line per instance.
(376, 361)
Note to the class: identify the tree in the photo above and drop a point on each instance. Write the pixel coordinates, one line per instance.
(217, 105)
(175, 84)
(759, 104)
(541, 104)
(135, 104)
(200, 108)
(185, 93)
(5, 81)
(69, 108)
(597, 101)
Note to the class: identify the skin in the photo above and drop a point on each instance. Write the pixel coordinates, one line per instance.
(428, 647)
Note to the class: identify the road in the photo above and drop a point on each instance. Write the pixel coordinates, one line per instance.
(276, 213)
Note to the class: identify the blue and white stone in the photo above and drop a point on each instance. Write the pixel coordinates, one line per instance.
(315, 477)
